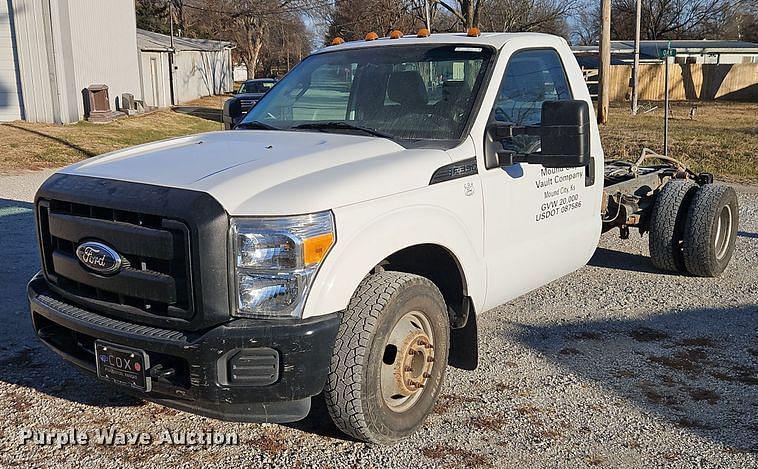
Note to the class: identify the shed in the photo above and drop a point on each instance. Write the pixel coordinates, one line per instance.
(201, 67)
(50, 51)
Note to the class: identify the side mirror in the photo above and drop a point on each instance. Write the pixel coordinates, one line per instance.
(564, 138)
(232, 113)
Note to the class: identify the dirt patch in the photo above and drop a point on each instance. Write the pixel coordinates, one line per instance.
(588, 335)
(494, 422)
(625, 373)
(595, 459)
(697, 342)
(702, 394)
(687, 422)
(463, 456)
(446, 402)
(647, 334)
(22, 359)
(654, 395)
(689, 361)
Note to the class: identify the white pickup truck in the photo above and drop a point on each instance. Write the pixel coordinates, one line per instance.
(340, 241)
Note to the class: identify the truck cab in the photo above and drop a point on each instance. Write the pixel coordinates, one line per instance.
(339, 243)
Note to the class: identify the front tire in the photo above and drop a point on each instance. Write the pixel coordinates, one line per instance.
(389, 357)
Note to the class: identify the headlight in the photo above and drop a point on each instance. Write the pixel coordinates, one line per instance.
(275, 260)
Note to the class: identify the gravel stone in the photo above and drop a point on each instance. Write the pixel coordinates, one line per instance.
(617, 364)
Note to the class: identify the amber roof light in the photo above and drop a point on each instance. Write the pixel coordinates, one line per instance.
(396, 34)
(473, 32)
(372, 36)
(423, 32)
(337, 41)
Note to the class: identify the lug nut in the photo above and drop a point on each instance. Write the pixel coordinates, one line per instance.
(407, 368)
(429, 359)
(427, 374)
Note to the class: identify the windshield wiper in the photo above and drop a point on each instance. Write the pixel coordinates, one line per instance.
(256, 125)
(323, 126)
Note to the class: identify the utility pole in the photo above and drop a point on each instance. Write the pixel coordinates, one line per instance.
(605, 63)
(428, 17)
(636, 71)
(171, 51)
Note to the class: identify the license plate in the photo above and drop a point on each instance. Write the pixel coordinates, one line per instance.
(122, 365)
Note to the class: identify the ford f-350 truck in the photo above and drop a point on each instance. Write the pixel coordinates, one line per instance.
(341, 240)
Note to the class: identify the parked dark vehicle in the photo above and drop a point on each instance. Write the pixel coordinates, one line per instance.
(244, 99)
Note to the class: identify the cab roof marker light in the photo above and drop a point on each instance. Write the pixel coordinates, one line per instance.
(396, 34)
(423, 32)
(337, 41)
(473, 32)
(372, 36)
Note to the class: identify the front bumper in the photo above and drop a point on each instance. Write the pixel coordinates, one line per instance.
(192, 371)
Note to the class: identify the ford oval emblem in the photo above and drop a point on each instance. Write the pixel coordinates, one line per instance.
(98, 257)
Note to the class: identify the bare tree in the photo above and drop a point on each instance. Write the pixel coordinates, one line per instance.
(548, 16)
(288, 42)
(661, 19)
(250, 24)
(352, 19)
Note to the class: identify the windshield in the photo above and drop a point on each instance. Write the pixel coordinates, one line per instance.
(256, 86)
(399, 92)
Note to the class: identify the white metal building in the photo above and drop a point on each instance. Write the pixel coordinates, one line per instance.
(687, 51)
(201, 67)
(51, 50)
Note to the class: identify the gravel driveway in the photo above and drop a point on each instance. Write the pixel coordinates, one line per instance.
(615, 365)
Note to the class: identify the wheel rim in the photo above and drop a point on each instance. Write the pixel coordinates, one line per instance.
(723, 231)
(407, 362)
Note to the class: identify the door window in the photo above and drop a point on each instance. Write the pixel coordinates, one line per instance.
(531, 78)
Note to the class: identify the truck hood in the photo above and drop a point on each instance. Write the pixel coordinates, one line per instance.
(255, 172)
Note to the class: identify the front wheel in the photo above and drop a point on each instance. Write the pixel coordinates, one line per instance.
(389, 357)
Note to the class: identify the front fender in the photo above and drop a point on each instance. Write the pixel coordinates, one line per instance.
(370, 231)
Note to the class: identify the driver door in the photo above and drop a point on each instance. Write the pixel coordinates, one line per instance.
(538, 222)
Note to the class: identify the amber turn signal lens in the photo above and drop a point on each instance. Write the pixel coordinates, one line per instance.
(372, 36)
(423, 32)
(337, 41)
(473, 32)
(396, 34)
(315, 249)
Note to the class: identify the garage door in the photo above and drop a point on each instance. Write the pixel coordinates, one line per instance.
(10, 102)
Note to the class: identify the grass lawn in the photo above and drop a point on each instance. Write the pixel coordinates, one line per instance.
(722, 139)
(29, 146)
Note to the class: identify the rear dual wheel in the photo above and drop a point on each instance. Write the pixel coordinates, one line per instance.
(693, 228)
(710, 232)
(389, 357)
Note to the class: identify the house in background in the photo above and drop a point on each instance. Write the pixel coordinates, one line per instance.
(51, 50)
(201, 67)
(687, 51)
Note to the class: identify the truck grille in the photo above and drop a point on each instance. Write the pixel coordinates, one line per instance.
(155, 279)
(247, 104)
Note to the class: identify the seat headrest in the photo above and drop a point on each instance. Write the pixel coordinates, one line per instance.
(407, 88)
